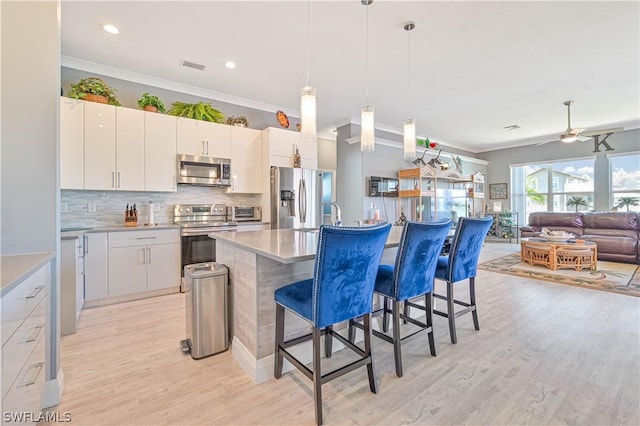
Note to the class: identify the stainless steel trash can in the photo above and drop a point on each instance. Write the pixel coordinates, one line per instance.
(206, 309)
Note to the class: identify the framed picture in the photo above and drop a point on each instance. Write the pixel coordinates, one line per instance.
(498, 191)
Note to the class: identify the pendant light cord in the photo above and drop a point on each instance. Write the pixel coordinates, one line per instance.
(308, 45)
(409, 82)
(366, 70)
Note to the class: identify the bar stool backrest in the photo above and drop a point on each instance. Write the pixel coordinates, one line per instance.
(465, 248)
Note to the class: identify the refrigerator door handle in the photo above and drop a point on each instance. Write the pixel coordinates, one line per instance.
(304, 201)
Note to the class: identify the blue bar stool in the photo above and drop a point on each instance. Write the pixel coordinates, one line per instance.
(460, 264)
(410, 277)
(347, 260)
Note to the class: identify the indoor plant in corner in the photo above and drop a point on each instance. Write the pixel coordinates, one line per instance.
(94, 89)
(150, 103)
(200, 111)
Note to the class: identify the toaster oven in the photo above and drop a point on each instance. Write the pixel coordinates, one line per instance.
(244, 213)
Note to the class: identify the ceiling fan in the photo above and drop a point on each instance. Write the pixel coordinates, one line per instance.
(581, 135)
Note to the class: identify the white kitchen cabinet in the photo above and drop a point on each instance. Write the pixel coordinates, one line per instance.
(96, 266)
(141, 261)
(99, 146)
(197, 137)
(159, 152)
(281, 145)
(246, 160)
(130, 149)
(71, 143)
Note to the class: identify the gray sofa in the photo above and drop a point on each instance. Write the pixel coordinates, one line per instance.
(615, 233)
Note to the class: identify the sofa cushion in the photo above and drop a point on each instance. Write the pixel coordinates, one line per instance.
(556, 219)
(613, 243)
(611, 220)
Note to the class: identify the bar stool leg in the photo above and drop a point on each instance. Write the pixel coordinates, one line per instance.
(328, 341)
(373, 385)
(397, 353)
(472, 296)
(317, 375)
(428, 303)
(385, 311)
(451, 313)
(277, 369)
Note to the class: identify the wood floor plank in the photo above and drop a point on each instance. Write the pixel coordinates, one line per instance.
(545, 354)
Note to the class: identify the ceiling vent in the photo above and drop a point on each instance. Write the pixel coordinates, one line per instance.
(192, 65)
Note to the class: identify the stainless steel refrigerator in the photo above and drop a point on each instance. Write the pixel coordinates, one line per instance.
(300, 197)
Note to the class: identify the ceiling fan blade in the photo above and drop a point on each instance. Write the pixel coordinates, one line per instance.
(602, 131)
(584, 138)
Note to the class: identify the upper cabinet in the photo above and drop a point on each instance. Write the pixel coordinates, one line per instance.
(103, 147)
(196, 137)
(159, 152)
(246, 160)
(71, 143)
(281, 144)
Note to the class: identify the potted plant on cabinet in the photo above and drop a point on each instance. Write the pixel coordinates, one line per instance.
(200, 111)
(240, 121)
(150, 103)
(94, 89)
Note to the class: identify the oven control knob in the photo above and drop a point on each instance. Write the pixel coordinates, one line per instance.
(180, 209)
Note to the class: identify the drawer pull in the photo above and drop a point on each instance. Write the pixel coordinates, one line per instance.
(30, 379)
(34, 292)
(146, 238)
(33, 335)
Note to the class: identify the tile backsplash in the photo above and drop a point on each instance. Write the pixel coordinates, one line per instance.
(110, 205)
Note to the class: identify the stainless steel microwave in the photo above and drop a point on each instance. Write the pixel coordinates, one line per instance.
(203, 171)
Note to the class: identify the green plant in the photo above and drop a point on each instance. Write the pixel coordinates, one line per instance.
(148, 100)
(626, 202)
(576, 202)
(94, 86)
(200, 111)
(238, 121)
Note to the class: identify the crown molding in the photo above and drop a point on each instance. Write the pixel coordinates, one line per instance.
(134, 77)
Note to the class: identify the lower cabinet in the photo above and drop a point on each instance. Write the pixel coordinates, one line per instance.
(136, 262)
(96, 266)
(71, 283)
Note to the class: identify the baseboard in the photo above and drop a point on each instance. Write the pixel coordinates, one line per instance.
(129, 297)
(52, 391)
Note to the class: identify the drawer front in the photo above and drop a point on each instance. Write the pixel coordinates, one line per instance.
(20, 346)
(22, 300)
(25, 395)
(143, 238)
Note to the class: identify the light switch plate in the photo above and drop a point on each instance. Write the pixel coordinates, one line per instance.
(92, 207)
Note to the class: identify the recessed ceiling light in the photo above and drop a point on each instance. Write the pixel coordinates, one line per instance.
(111, 29)
(230, 64)
(512, 127)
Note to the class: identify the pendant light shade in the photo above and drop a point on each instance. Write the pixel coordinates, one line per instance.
(367, 129)
(367, 122)
(308, 124)
(409, 138)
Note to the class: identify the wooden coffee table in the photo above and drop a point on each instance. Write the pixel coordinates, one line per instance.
(559, 254)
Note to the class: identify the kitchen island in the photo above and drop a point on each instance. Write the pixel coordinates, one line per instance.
(260, 262)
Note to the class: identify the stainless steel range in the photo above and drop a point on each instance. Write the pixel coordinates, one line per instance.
(196, 222)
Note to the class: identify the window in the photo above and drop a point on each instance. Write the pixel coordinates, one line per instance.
(564, 186)
(625, 182)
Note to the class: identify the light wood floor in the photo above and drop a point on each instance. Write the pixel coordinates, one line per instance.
(545, 354)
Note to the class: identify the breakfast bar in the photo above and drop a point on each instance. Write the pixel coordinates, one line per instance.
(260, 262)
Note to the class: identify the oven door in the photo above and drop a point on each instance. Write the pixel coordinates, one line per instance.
(197, 247)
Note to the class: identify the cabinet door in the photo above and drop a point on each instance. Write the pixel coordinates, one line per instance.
(309, 154)
(191, 136)
(160, 152)
(129, 149)
(71, 144)
(246, 160)
(163, 266)
(127, 270)
(96, 266)
(281, 142)
(218, 141)
(68, 276)
(100, 146)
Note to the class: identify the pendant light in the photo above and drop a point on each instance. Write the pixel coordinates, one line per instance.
(409, 124)
(308, 125)
(367, 122)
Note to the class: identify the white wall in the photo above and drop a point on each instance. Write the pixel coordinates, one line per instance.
(627, 141)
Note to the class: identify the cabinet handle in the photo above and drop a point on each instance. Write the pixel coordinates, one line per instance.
(118, 184)
(149, 249)
(33, 335)
(35, 292)
(113, 179)
(30, 379)
(86, 244)
(207, 147)
(144, 255)
(146, 238)
(203, 151)
(174, 181)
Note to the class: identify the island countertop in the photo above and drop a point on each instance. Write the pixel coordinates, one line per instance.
(286, 245)
(16, 268)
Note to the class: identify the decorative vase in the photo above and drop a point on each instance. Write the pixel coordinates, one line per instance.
(150, 108)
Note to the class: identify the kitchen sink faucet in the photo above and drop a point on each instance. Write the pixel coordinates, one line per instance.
(338, 221)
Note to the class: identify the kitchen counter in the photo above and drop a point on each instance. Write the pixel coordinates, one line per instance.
(75, 232)
(260, 262)
(16, 268)
(286, 245)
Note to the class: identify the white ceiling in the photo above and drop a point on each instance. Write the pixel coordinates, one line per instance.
(477, 67)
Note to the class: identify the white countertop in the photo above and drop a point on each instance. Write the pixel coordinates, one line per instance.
(76, 233)
(16, 268)
(286, 245)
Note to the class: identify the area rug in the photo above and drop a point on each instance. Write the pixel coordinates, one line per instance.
(614, 277)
